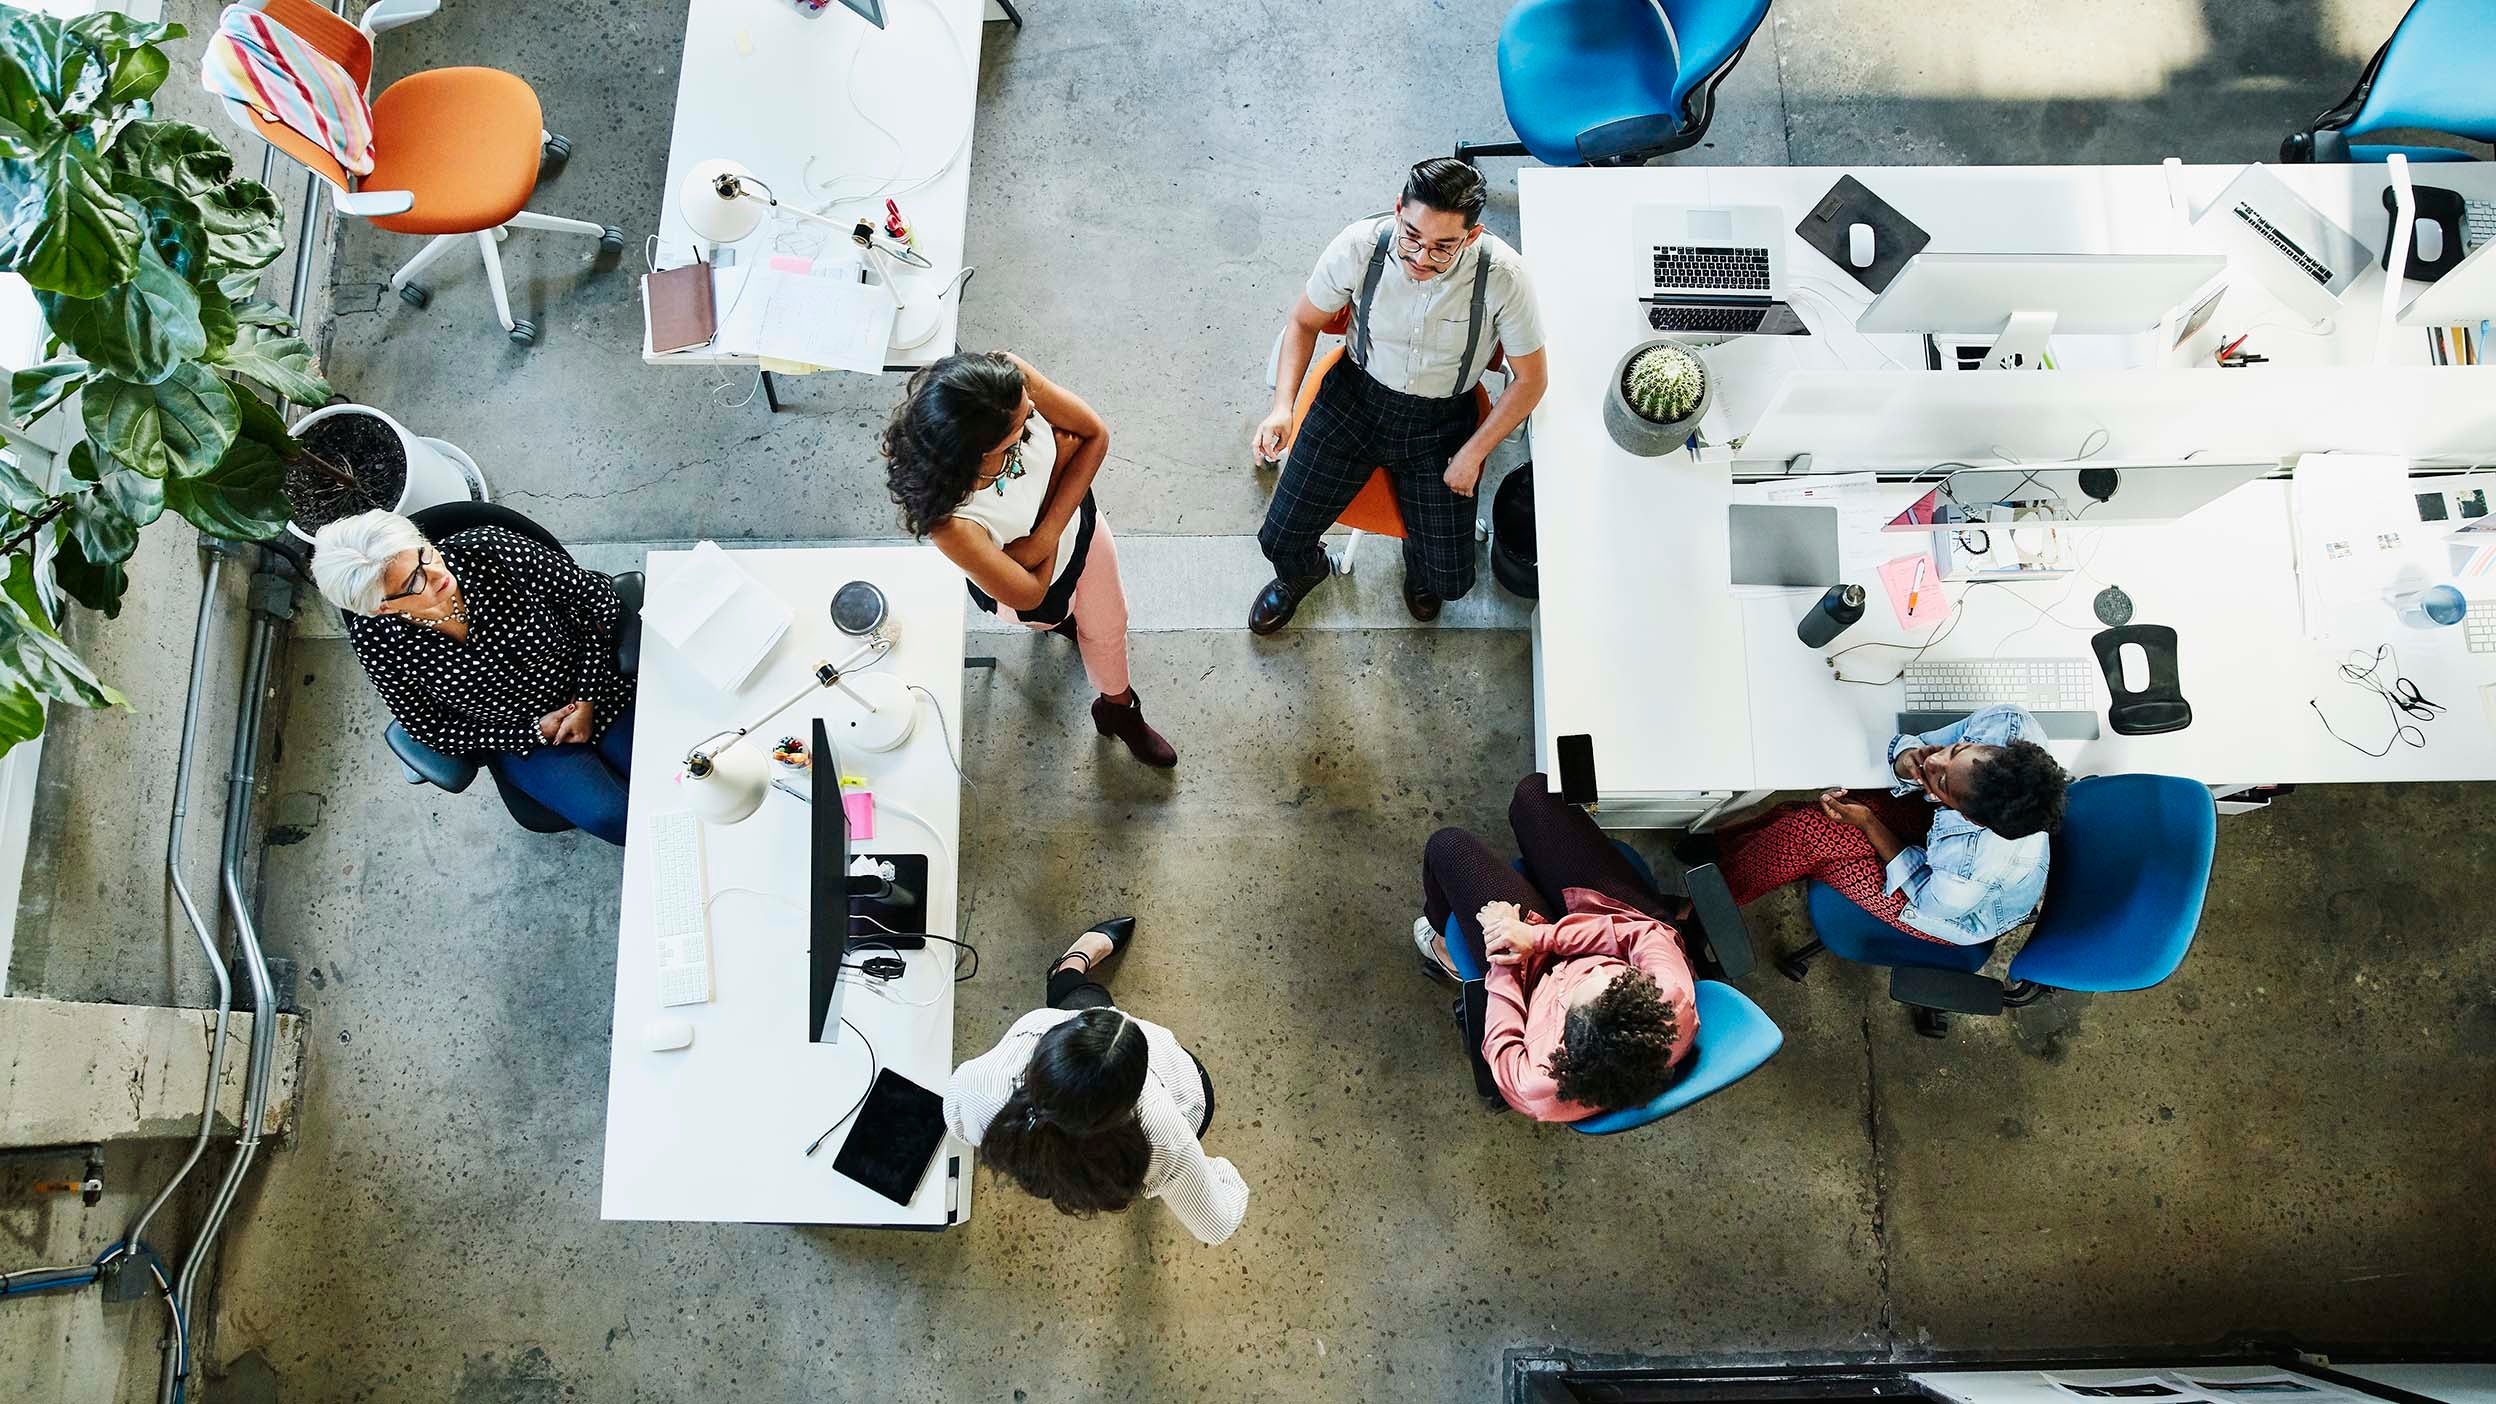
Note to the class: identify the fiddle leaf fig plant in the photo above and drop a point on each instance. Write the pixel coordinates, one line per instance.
(143, 249)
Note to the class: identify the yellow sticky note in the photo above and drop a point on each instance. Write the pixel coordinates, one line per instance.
(745, 44)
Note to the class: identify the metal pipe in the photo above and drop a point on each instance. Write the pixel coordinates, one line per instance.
(270, 602)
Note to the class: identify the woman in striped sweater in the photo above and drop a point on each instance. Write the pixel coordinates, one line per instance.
(1091, 1108)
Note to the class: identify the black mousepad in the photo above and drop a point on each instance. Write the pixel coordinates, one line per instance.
(895, 1137)
(1895, 238)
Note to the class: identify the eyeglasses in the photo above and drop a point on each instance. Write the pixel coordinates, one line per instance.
(1408, 243)
(415, 580)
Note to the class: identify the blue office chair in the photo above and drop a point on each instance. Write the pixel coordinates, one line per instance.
(1614, 82)
(1735, 1035)
(2123, 895)
(2431, 75)
(424, 765)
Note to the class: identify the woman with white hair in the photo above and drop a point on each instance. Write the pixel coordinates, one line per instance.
(492, 645)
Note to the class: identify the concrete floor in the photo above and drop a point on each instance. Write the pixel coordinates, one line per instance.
(2285, 1137)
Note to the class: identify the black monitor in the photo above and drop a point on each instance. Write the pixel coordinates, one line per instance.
(827, 906)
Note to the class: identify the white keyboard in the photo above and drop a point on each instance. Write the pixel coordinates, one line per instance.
(2479, 626)
(2478, 223)
(2038, 684)
(676, 900)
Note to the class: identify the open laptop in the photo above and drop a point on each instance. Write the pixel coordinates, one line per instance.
(1713, 271)
(2304, 259)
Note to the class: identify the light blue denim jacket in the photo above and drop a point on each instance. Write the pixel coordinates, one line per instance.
(1967, 884)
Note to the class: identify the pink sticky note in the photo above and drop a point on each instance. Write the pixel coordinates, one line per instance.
(791, 263)
(1931, 605)
(860, 806)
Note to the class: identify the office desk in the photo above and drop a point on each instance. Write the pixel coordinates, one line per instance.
(716, 1131)
(1697, 697)
(763, 82)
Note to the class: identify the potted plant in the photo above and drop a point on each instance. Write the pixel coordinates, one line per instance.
(1659, 392)
(143, 248)
(357, 459)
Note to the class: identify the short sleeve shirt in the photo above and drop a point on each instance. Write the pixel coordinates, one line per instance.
(1417, 329)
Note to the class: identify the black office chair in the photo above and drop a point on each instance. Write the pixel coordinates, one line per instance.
(426, 766)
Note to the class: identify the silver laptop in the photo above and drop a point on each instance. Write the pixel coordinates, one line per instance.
(1712, 270)
(2304, 259)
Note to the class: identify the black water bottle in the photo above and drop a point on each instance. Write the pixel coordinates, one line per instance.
(1835, 613)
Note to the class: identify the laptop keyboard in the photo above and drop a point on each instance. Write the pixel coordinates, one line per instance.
(1683, 318)
(1714, 267)
(2270, 234)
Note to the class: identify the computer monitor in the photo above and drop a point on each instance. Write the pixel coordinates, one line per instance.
(872, 11)
(827, 905)
(2022, 299)
(2464, 297)
(2074, 494)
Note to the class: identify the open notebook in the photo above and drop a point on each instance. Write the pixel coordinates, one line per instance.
(720, 619)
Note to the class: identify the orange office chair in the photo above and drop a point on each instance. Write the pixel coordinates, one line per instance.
(1373, 511)
(455, 151)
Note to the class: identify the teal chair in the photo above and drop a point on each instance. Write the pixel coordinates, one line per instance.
(2123, 897)
(1735, 1035)
(1614, 82)
(2431, 75)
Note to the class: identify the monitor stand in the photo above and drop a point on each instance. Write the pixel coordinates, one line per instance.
(2022, 342)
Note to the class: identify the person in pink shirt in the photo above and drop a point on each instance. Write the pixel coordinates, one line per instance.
(1592, 1004)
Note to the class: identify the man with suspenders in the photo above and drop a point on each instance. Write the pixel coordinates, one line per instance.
(1432, 295)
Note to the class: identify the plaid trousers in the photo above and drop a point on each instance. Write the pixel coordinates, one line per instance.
(1356, 425)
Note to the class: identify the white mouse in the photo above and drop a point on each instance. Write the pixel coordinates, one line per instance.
(1859, 245)
(2135, 661)
(2430, 239)
(666, 1032)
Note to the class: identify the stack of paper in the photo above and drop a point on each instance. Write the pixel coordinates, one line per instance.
(716, 616)
(2358, 536)
(823, 317)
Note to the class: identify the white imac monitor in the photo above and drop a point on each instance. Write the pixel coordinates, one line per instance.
(2021, 299)
(2463, 297)
(2091, 494)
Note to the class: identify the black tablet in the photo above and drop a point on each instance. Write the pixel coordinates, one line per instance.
(894, 1138)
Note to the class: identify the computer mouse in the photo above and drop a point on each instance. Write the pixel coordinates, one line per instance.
(2135, 660)
(2430, 238)
(666, 1032)
(1859, 245)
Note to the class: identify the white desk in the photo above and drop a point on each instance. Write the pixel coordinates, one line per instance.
(765, 83)
(716, 1131)
(1695, 696)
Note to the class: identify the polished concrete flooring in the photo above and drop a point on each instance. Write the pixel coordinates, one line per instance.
(2287, 1137)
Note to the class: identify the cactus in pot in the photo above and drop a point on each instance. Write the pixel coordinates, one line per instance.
(1664, 384)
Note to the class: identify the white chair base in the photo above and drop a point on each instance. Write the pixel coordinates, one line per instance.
(489, 246)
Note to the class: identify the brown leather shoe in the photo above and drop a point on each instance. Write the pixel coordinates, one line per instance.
(1423, 605)
(1127, 724)
(1277, 602)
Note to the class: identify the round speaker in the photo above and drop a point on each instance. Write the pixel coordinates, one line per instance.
(2100, 483)
(858, 608)
(2114, 607)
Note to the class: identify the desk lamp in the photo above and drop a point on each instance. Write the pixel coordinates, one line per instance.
(723, 202)
(726, 784)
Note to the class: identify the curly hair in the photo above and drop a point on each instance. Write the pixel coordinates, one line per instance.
(2017, 792)
(1616, 1050)
(1070, 1133)
(950, 416)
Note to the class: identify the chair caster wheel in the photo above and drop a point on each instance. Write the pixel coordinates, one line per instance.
(1794, 968)
(524, 333)
(1932, 1023)
(415, 296)
(558, 150)
(611, 243)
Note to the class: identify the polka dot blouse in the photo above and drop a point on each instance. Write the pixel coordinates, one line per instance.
(541, 635)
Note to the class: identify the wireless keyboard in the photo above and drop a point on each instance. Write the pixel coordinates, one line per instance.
(2478, 626)
(2064, 693)
(2478, 223)
(677, 903)
(2314, 268)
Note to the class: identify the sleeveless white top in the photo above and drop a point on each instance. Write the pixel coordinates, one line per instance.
(1009, 507)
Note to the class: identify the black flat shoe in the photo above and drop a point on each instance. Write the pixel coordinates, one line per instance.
(1276, 603)
(1422, 605)
(1119, 929)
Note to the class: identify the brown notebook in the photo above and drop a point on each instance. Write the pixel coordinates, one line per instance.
(678, 303)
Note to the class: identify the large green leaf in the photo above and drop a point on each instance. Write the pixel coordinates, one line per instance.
(67, 234)
(99, 585)
(34, 657)
(16, 142)
(188, 158)
(279, 361)
(134, 495)
(46, 72)
(243, 499)
(216, 321)
(170, 222)
(180, 425)
(21, 714)
(19, 493)
(262, 424)
(139, 331)
(19, 584)
(37, 390)
(260, 312)
(103, 532)
(244, 224)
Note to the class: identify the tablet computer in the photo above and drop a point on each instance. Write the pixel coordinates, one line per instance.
(895, 1137)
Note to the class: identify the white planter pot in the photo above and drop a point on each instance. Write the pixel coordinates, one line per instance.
(434, 471)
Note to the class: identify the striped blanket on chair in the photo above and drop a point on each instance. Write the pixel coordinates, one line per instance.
(261, 64)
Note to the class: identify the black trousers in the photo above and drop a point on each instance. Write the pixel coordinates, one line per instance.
(1076, 989)
(1563, 848)
(1354, 427)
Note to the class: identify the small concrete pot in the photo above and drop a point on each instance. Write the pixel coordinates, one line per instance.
(1637, 433)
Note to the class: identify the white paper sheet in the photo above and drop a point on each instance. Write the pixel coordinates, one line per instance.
(720, 618)
(826, 318)
(2358, 537)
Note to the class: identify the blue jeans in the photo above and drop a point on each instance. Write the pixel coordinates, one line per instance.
(585, 784)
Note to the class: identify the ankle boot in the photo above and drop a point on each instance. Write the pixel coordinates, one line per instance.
(1127, 724)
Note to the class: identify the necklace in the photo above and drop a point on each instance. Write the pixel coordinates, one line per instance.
(456, 612)
(1013, 469)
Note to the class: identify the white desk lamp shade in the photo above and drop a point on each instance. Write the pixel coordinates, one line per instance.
(740, 777)
(720, 219)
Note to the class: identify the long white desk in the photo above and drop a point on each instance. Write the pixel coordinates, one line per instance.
(765, 83)
(716, 1131)
(1697, 696)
